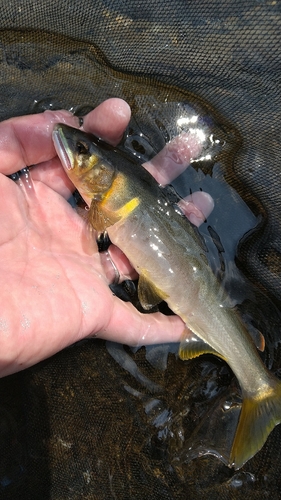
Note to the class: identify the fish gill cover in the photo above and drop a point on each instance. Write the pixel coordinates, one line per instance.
(79, 425)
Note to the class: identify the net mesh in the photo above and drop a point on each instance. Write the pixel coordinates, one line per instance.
(78, 425)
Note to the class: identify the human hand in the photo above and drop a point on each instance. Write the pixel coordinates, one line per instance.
(54, 285)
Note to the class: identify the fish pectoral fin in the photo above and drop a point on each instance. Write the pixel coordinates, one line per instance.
(101, 218)
(192, 346)
(149, 295)
(259, 416)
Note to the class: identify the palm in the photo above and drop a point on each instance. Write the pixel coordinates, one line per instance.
(48, 259)
(53, 288)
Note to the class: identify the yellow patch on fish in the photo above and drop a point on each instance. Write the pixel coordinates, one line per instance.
(128, 208)
(118, 185)
(107, 211)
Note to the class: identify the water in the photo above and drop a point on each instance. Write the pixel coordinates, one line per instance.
(172, 398)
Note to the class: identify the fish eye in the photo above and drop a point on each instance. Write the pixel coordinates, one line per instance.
(82, 148)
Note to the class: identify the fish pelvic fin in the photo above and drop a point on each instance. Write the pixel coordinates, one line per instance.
(192, 346)
(259, 416)
(149, 295)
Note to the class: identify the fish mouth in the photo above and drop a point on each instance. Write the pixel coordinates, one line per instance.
(62, 148)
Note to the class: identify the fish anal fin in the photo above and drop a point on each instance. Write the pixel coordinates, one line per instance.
(258, 418)
(149, 295)
(192, 346)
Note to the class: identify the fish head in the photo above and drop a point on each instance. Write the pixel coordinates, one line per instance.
(90, 173)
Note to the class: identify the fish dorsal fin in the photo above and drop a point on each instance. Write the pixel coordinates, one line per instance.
(101, 219)
(149, 295)
(192, 346)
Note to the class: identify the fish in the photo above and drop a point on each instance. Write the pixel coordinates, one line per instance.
(143, 220)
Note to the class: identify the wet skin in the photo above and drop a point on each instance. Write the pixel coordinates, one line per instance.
(54, 283)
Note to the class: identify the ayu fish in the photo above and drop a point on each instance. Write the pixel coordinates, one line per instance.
(167, 252)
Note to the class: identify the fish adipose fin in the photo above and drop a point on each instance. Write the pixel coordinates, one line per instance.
(258, 418)
(193, 346)
(149, 295)
(258, 339)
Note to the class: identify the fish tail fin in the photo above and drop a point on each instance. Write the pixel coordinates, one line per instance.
(259, 415)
